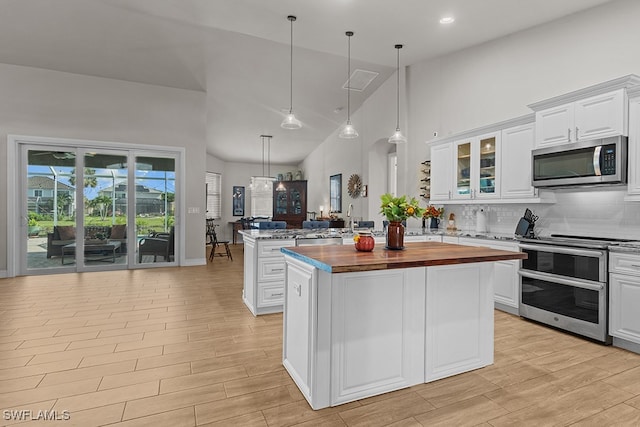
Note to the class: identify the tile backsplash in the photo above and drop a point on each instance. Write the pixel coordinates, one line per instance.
(599, 211)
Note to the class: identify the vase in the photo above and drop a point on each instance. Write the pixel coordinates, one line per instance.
(365, 242)
(395, 235)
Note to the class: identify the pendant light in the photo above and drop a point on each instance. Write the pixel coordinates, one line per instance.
(266, 180)
(290, 121)
(397, 137)
(348, 131)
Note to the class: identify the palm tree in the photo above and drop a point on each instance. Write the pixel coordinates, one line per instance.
(90, 179)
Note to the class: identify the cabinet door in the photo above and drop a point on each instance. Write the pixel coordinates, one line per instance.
(515, 173)
(441, 174)
(463, 172)
(624, 300)
(554, 125)
(600, 116)
(486, 170)
(634, 151)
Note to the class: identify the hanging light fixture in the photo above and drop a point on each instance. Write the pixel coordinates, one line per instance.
(290, 121)
(398, 137)
(348, 131)
(265, 181)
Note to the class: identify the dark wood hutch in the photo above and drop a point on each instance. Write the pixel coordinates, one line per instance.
(290, 202)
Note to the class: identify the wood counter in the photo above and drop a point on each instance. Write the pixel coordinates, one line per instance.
(345, 259)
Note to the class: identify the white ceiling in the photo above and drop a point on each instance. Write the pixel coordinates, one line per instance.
(238, 52)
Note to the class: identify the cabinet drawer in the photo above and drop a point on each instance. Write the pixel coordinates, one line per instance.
(272, 248)
(272, 294)
(625, 263)
(271, 268)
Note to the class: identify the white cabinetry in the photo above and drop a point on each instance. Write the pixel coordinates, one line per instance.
(264, 270)
(517, 143)
(593, 117)
(506, 281)
(441, 171)
(624, 297)
(489, 164)
(477, 167)
(633, 171)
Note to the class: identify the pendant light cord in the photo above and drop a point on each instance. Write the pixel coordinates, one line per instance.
(349, 34)
(291, 19)
(398, 47)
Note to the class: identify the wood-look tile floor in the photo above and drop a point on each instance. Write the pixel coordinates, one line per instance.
(176, 347)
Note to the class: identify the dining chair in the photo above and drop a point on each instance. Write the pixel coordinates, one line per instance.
(315, 224)
(212, 238)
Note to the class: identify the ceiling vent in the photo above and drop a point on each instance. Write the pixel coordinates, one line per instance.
(360, 79)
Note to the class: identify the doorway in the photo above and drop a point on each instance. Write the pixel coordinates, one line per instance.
(87, 208)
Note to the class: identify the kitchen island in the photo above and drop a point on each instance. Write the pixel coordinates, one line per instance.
(358, 324)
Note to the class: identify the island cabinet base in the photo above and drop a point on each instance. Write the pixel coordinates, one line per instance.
(348, 336)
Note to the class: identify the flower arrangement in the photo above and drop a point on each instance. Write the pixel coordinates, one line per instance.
(433, 212)
(399, 208)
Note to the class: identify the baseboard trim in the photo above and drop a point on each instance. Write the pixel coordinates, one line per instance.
(4, 274)
(194, 261)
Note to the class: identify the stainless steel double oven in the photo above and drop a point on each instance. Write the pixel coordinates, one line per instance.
(564, 283)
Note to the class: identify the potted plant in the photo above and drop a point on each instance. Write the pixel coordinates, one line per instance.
(397, 210)
(33, 227)
(432, 214)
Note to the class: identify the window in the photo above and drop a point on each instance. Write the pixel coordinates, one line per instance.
(37, 193)
(214, 199)
(261, 196)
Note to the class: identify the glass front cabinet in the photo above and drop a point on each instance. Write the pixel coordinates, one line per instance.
(290, 202)
(477, 167)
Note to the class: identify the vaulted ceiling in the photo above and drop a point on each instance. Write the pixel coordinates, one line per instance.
(237, 51)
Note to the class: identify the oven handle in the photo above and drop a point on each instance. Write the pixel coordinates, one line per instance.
(562, 281)
(563, 250)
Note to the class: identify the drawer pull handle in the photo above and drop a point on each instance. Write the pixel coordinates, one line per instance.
(635, 265)
(278, 294)
(277, 269)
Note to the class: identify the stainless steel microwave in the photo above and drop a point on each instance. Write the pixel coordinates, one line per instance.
(598, 161)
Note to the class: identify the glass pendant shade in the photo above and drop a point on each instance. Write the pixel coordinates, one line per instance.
(397, 138)
(348, 131)
(290, 122)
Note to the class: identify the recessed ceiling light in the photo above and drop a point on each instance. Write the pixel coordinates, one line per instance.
(447, 20)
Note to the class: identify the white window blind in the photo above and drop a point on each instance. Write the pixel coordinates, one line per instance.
(261, 196)
(214, 199)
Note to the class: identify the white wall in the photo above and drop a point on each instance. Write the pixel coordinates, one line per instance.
(366, 155)
(495, 81)
(39, 102)
(487, 84)
(234, 174)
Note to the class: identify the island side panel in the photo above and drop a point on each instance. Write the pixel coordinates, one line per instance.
(249, 284)
(307, 331)
(377, 332)
(459, 319)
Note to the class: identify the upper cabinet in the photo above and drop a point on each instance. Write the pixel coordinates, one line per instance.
(441, 177)
(516, 146)
(633, 171)
(595, 112)
(490, 164)
(477, 167)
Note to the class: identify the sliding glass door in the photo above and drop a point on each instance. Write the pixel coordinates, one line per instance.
(82, 214)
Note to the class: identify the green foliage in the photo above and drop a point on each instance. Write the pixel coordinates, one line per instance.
(399, 208)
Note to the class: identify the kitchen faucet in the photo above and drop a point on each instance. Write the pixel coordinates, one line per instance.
(349, 209)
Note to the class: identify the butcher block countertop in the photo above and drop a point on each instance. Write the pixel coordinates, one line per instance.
(345, 259)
